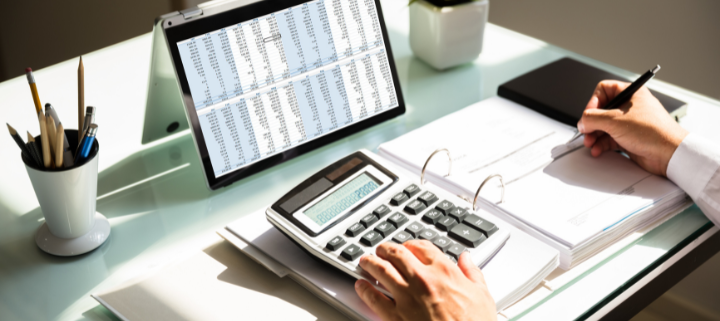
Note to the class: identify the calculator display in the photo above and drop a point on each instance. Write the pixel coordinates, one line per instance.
(342, 199)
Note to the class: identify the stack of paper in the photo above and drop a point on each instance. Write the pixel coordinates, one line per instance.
(515, 270)
(559, 194)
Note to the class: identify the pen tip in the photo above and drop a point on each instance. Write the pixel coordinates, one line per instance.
(656, 69)
(12, 130)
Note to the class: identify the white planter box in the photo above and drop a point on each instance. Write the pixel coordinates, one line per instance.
(448, 36)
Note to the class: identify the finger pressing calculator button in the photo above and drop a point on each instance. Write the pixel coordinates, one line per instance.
(481, 225)
(443, 243)
(385, 228)
(467, 235)
(446, 223)
(368, 220)
(411, 190)
(415, 207)
(398, 199)
(456, 250)
(428, 234)
(335, 244)
(432, 216)
(355, 230)
(371, 238)
(428, 198)
(351, 252)
(414, 229)
(458, 214)
(402, 237)
(444, 207)
(382, 211)
(397, 219)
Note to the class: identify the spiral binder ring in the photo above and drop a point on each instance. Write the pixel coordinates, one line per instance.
(502, 195)
(422, 174)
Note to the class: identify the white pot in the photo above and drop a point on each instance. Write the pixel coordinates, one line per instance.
(445, 37)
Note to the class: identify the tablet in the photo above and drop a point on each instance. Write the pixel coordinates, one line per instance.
(266, 82)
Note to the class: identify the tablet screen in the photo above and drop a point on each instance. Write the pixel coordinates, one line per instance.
(266, 85)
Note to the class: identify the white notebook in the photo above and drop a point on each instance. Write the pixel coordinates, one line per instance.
(557, 193)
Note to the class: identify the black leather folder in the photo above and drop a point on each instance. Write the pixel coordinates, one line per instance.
(562, 89)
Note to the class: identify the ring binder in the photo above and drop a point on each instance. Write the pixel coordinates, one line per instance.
(502, 184)
(422, 173)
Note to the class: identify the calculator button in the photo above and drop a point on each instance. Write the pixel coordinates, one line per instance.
(351, 252)
(458, 214)
(415, 207)
(427, 198)
(368, 220)
(443, 243)
(414, 229)
(371, 238)
(382, 211)
(398, 199)
(432, 216)
(402, 237)
(335, 243)
(428, 234)
(385, 228)
(444, 207)
(455, 250)
(446, 223)
(397, 219)
(411, 190)
(480, 224)
(355, 230)
(467, 235)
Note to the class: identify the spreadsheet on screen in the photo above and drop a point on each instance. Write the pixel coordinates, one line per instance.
(268, 84)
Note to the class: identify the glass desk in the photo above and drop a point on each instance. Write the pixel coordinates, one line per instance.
(159, 208)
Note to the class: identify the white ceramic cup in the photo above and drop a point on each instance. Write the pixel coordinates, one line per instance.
(67, 197)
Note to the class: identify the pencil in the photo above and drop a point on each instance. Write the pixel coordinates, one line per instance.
(67, 154)
(33, 89)
(47, 160)
(59, 146)
(18, 141)
(52, 131)
(81, 100)
(34, 150)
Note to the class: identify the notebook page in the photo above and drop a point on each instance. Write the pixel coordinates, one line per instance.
(569, 199)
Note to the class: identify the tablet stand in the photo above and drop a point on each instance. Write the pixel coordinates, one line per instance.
(164, 114)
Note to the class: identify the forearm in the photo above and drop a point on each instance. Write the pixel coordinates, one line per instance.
(695, 167)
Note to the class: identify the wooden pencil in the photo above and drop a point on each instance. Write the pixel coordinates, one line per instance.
(81, 99)
(59, 137)
(47, 160)
(34, 150)
(52, 131)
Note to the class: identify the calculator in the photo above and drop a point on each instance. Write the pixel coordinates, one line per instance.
(350, 207)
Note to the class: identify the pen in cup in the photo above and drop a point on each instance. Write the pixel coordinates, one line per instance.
(89, 117)
(86, 144)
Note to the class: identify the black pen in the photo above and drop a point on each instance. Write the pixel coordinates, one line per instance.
(626, 94)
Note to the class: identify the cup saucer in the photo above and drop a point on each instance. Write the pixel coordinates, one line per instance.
(54, 245)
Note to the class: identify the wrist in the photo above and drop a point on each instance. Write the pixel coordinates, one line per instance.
(673, 139)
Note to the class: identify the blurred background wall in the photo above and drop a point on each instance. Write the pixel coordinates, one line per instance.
(682, 36)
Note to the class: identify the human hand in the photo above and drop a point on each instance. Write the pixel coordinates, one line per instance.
(425, 284)
(641, 128)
